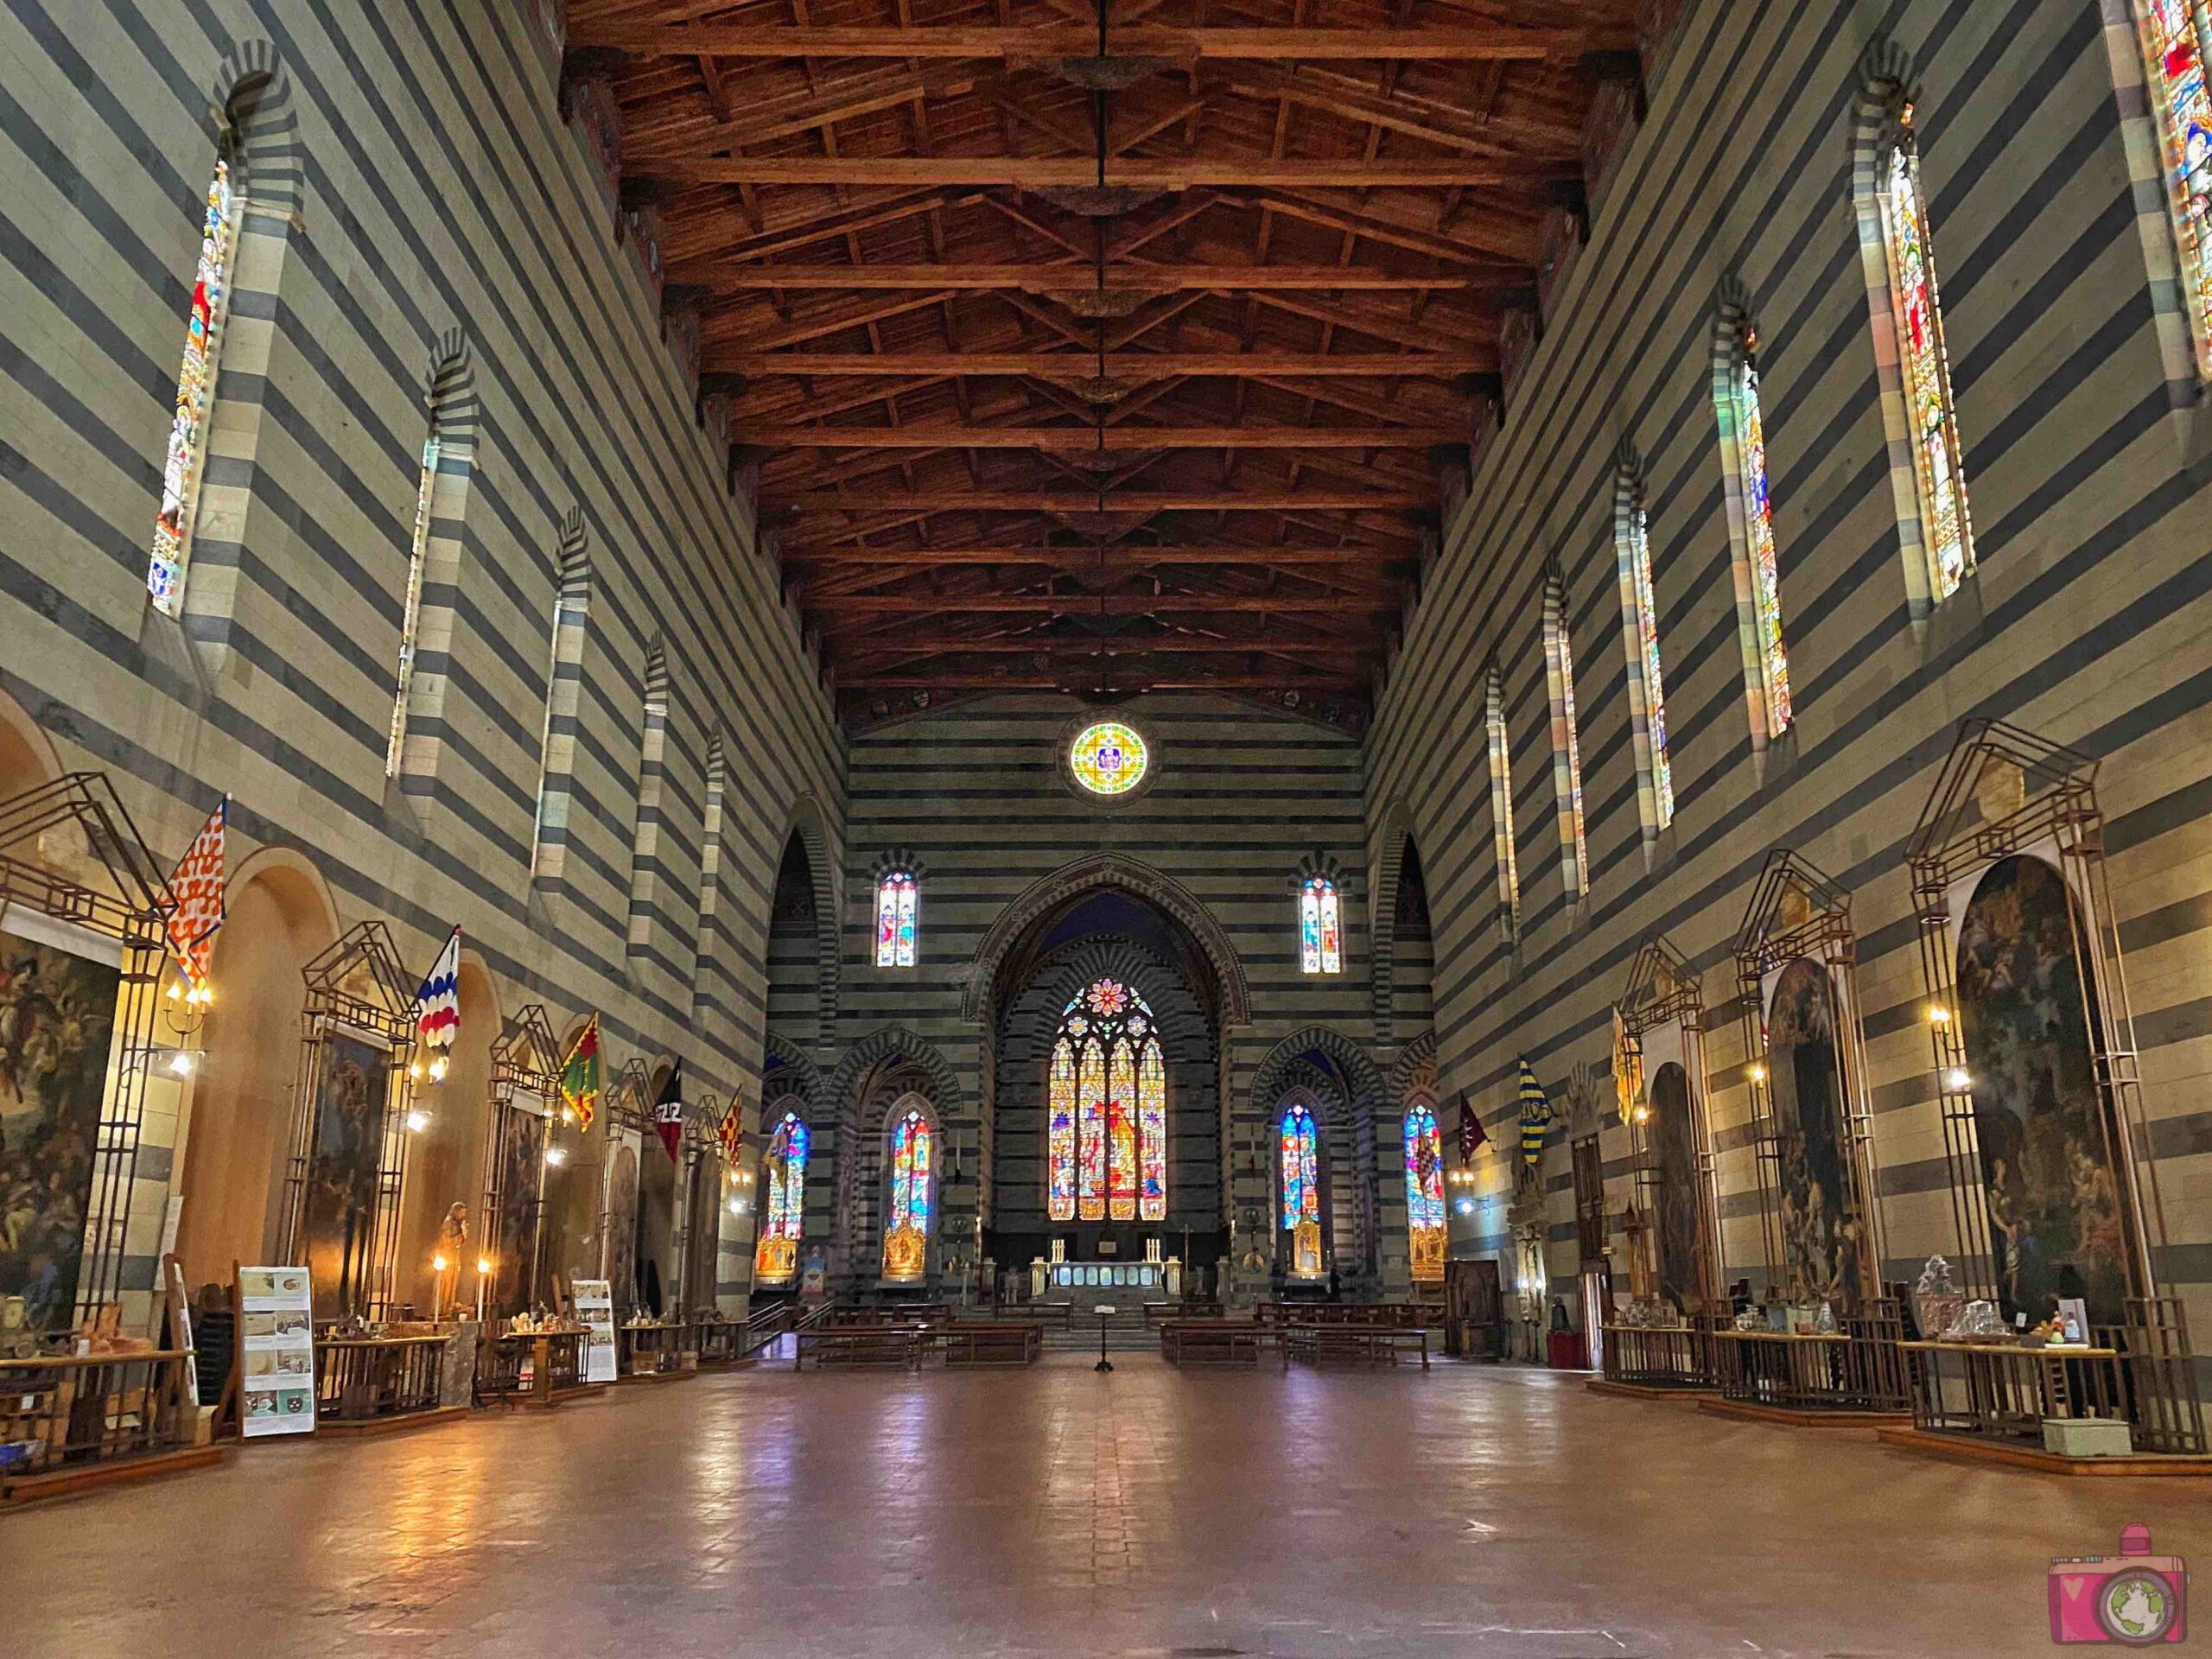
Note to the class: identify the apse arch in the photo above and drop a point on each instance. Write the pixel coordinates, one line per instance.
(1364, 1081)
(1073, 881)
(1334, 1070)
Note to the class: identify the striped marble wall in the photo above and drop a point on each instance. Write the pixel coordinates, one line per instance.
(2086, 624)
(412, 192)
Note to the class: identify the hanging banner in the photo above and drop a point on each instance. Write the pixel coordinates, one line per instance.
(580, 1075)
(730, 1130)
(196, 895)
(668, 1111)
(276, 1352)
(437, 1005)
(595, 1303)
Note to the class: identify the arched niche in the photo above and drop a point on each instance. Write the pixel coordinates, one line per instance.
(912, 1189)
(27, 758)
(281, 917)
(445, 1162)
(654, 1242)
(569, 1216)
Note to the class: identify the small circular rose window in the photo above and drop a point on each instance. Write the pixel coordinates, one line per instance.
(1108, 758)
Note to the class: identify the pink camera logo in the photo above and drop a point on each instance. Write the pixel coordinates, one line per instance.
(2134, 1598)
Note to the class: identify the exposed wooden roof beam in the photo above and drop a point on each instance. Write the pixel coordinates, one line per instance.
(892, 502)
(1038, 44)
(905, 642)
(1118, 365)
(1086, 557)
(1067, 277)
(1098, 604)
(1078, 440)
(1141, 172)
(1178, 679)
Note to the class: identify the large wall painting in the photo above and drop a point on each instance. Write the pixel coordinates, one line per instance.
(1820, 1230)
(622, 1229)
(345, 1166)
(2056, 1219)
(521, 1161)
(1679, 1243)
(57, 1023)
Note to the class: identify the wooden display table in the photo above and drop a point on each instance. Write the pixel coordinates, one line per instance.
(542, 1367)
(649, 1353)
(1810, 1379)
(85, 1420)
(1656, 1361)
(718, 1341)
(367, 1384)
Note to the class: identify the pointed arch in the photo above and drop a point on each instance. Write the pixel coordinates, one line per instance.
(1739, 413)
(563, 699)
(1087, 875)
(810, 824)
(1363, 1079)
(1389, 865)
(893, 1043)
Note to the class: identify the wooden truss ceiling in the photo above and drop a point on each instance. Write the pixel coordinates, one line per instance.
(1108, 354)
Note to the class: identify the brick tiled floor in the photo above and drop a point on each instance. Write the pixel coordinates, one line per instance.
(1468, 1511)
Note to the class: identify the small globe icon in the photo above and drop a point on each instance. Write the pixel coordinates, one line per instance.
(2135, 1607)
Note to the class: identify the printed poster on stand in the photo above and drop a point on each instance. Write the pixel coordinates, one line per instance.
(594, 1300)
(276, 1352)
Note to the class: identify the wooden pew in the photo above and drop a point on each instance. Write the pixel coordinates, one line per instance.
(1210, 1342)
(1159, 1313)
(1343, 1344)
(1000, 1342)
(857, 1345)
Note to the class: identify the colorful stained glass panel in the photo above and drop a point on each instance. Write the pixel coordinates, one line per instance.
(1758, 529)
(898, 904)
(1060, 1134)
(1152, 1133)
(1109, 757)
(1925, 373)
(1122, 1135)
(1640, 622)
(2173, 51)
(195, 385)
(1090, 1086)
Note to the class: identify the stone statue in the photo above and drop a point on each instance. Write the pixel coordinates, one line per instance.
(453, 1247)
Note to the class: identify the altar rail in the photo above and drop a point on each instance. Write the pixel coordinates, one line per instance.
(73, 1411)
(361, 1379)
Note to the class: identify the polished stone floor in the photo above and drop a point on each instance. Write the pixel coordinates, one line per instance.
(1468, 1511)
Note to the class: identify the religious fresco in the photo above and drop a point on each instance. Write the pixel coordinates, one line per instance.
(57, 1023)
(2053, 1196)
(1820, 1230)
(345, 1160)
(1678, 1208)
(522, 1155)
(622, 1229)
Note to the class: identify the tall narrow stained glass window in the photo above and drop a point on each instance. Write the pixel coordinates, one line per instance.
(1501, 802)
(1106, 1110)
(783, 1203)
(1320, 928)
(1566, 743)
(913, 1192)
(897, 899)
(2173, 35)
(1647, 690)
(1301, 1168)
(195, 396)
(1924, 374)
(1425, 1191)
(410, 615)
(1758, 578)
